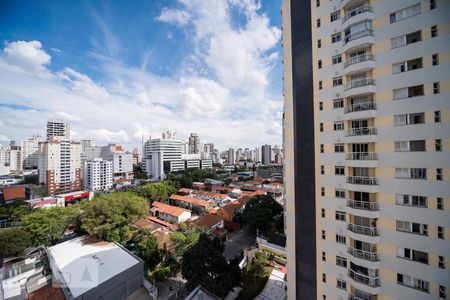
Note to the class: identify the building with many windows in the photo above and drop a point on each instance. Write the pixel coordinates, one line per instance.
(366, 143)
(57, 128)
(30, 148)
(97, 175)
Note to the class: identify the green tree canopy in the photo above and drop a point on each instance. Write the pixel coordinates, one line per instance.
(47, 225)
(203, 263)
(159, 191)
(13, 241)
(110, 217)
(264, 213)
(138, 172)
(147, 247)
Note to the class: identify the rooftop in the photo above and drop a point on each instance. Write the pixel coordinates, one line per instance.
(208, 220)
(211, 194)
(168, 209)
(190, 200)
(13, 193)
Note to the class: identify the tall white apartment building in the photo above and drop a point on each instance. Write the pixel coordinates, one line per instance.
(97, 175)
(15, 158)
(87, 143)
(59, 165)
(58, 129)
(231, 159)
(257, 154)
(367, 148)
(4, 155)
(30, 149)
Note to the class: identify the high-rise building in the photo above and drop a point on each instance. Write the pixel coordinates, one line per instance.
(266, 153)
(257, 155)
(87, 143)
(58, 129)
(136, 157)
(4, 156)
(194, 144)
(97, 175)
(208, 148)
(30, 148)
(366, 144)
(15, 158)
(230, 156)
(59, 165)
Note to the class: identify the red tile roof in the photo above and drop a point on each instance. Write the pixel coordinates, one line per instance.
(194, 201)
(13, 193)
(185, 191)
(211, 194)
(234, 206)
(168, 209)
(208, 220)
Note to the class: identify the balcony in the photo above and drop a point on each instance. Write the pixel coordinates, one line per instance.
(370, 256)
(364, 230)
(357, 35)
(359, 59)
(361, 297)
(362, 131)
(357, 11)
(364, 205)
(364, 106)
(359, 83)
(363, 86)
(364, 279)
(362, 156)
(359, 39)
(364, 180)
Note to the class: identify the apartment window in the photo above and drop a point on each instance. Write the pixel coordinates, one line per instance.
(323, 212)
(324, 277)
(414, 255)
(322, 148)
(437, 116)
(442, 292)
(413, 146)
(320, 84)
(440, 232)
(323, 235)
(319, 64)
(336, 38)
(406, 39)
(317, 3)
(436, 89)
(341, 284)
(340, 216)
(414, 283)
(434, 31)
(322, 170)
(337, 81)
(324, 297)
(408, 92)
(435, 59)
(338, 148)
(409, 119)
(340, 194)
(322, 191)
(439, 203)
(340, 239)
(337, 59)
(405, 13)
(319, 43)
(338, 126)
(320, 105)
(339, 170)
(324, 256)
(410, 227)
(439, 174)
(334, 16)
(404, 66)
(341, 261)
(418, 173)
(412, 200)
(432, 4)
(441, 262)
(318, 23)
(321, 127)
(338, 103)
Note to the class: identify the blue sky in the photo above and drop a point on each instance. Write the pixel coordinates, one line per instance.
(118, 70)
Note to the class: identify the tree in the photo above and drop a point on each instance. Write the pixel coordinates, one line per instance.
(110, 217)
(138, 172)
(264, 213)
(203, 263)
(257, 267)
(147, 247)
(13, 241)
(47, 226)
(159, 191)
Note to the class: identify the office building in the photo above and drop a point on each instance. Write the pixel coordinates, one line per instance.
(59, 165)
(366, 143)
(30, 148)
(97, 175)
(58, 129)
(266, 154)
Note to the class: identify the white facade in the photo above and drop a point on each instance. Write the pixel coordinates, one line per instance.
(4, 156)
(97, 175)
(15, 159)
(30, 149)
(158, 155)
(58, 129)
(230, 156)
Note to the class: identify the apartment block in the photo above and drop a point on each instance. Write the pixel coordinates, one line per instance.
(367, 148)
(97, 175)
(58, 129)
(30, 148)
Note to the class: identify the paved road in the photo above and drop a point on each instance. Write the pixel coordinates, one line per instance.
(236, 242)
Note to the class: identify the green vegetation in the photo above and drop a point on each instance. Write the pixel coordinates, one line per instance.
(185, 178)
(255, 277)
(13, 241)
(147, 248)
(110, 217)
(203, 263)
(265, 214)
(159, 191)
(138, 172)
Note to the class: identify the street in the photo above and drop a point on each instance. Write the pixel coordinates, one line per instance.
(245, 238)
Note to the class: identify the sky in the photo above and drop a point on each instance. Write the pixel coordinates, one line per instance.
(120, 70)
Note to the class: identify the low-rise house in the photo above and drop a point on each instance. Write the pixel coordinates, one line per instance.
(169, 213)
(198, 185)
(209, 221)
(229, 211)
(12, 194)
(217, 198)
(184, 191)
(189, 202)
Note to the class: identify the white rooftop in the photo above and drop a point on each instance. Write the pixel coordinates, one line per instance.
(84, 264)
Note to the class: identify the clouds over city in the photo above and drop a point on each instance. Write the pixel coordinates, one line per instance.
(221, 88)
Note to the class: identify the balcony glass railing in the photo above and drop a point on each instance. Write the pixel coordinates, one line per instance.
(357, 35)
(365, 230)
(370, 256)
(362, 131)
(364, 205)
(364, 279)
(364, 180)
(359, 83)
(359, 59)
(361, 297)
(362, 156)
(360, 107)
(357, 11)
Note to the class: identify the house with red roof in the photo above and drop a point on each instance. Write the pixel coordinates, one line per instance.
(189, 202)
(169, 213)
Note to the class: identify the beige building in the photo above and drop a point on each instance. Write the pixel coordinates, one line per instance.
(367, 148)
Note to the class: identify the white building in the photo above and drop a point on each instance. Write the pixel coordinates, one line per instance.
(58, 128)
(15, 159)
(97, 175)
(87, 143)
(4, 156)
(30, 149)
(230, 156)
(257, 155)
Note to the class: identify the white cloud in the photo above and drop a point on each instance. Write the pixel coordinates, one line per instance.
(28, 55)
(4, 138)
(56, 50)
(174, 16)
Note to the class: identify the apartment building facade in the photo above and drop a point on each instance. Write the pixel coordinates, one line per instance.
(97, 175)
(367, 148)
(59, 129)
(30, 148)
